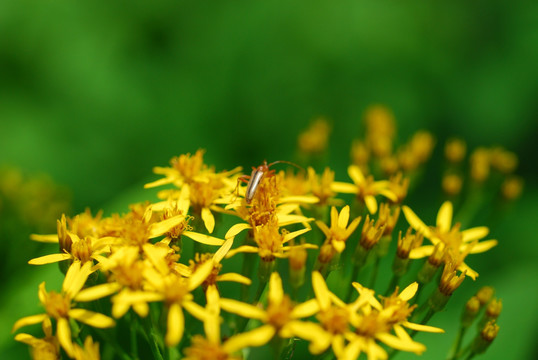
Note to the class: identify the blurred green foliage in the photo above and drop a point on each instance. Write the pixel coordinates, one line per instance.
(95, 93)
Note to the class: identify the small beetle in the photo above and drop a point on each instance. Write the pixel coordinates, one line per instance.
(257, 176)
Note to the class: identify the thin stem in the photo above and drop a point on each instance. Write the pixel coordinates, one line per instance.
(152, 339)
(375, 271)
(457, 343)
(133, 333)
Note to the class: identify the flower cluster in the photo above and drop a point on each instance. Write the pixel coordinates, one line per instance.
(224, 263)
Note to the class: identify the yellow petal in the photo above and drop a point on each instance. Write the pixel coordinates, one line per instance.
(142, 309)
(203, 239)
(444, 217)
(469, 272)
(323, 228)
(27, 339)
(351, 351)
(63, 333)
(92, 318)
(209, 219)
(303, 199)
(97, 292)
(49, 259)
(76, 277)
(242, 309)
(195, 310)
(164, 226)
(159, 182)
(284, 220)
(157, 255)
(334, 216)
(293, 235)
(339, 245)
(343, 218)
(253, 338)
(409, 292)
(420, 327)
(52, 238)
(321, 290)
(306, 309)
(305, 330)
(421, 252)
(235, 278)
(276, 293)
(400, 344)
(356, 175)
(29, 320)
(415, 222)
(242, 249)
(344, 188)
(483, 246)
(371, 203)
(475, 233)
(223, 250)
(175, 326)
(200, 275)
(236, 229)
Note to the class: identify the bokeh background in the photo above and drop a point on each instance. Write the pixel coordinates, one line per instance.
(93, 94)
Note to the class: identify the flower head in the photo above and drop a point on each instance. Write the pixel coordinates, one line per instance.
(457, 243)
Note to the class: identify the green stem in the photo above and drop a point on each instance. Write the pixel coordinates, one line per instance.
(134, 339)
(354, 275)
(457, 343)
(375, 271)
(106, 339)
(152, 338)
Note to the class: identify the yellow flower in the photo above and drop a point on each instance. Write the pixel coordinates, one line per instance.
(271, 242)
(175, 220)
(314, 140)
(83, 250)
(374, 322)
(47, 348)
(457, 243)
(281, 316)
(90, 351)
(334, 317)
(339, 231)
(210, 347)
(204, 187)
(185, 169)
(175, 291)
(216, 258)
(365, 188)
(58, 306)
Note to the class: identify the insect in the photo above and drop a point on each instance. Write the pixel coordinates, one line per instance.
(257, 175)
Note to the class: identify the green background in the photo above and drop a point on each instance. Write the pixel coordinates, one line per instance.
(96, 93)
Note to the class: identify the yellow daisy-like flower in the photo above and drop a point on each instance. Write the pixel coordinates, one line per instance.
(58, 306)
(216, 258)
(83, 250)
(281, 316)
(365, 188)
(375, 322)
(211, 346)
(175, 291)
(334, 319)
(458, 243)
(47, 348)
(271, 242)
(174, 213)
(339, 231)
(184, 169)
(90, 350)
